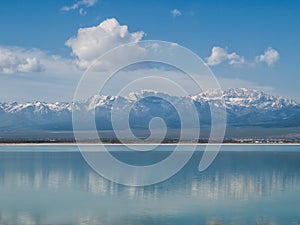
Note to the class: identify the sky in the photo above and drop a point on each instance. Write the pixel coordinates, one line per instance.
(46, 46)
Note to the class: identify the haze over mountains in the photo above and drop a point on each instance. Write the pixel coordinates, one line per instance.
(245, 107)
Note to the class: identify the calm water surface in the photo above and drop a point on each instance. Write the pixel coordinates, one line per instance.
(245, 185)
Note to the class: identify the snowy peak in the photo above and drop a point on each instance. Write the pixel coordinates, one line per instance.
(136, 96)
(35, 107)
(233, 97)
(244, 107)
(243, 97)
(99, 101)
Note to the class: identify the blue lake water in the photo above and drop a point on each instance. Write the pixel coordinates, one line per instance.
(254, 184)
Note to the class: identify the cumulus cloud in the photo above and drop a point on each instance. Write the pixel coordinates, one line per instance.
(175, 13)
(92, 42)
(220, 55)
(18, 61)
(45, 76)
(270, 56)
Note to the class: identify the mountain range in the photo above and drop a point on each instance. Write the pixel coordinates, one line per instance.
(244, 107)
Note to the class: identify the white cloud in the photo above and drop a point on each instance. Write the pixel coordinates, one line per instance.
(76, 5)
(30, 65)
(92, 42)
(58, 80)
(82, 12)
(48, 77)
(270, 56)
(17, 60)
(220, 55)
(176, 12)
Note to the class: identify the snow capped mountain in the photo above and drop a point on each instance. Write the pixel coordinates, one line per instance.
(35, 107)
(242, 97)
(244, 107)
(253, 107)
(99, 101)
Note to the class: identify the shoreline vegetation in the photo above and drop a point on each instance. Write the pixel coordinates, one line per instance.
(166, 142)
(233, 135)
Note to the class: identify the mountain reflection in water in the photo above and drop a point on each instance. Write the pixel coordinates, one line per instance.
(240, 187)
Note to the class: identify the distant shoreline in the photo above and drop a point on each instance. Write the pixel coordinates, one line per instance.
(120, 144)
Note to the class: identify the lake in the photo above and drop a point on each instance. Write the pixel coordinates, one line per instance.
(246, 184)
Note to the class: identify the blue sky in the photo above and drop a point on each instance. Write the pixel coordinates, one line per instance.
(255, 43)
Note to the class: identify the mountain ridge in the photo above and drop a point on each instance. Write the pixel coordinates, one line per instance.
(245, 107)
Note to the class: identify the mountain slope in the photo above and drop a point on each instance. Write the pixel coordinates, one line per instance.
(245, 107)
